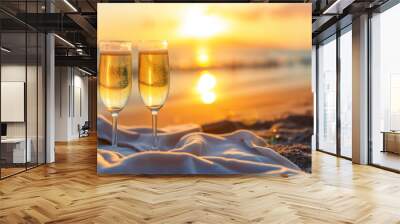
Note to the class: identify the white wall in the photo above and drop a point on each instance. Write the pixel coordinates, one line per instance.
(82, 82)
(79, 103)
(71, 94)
(62, 81)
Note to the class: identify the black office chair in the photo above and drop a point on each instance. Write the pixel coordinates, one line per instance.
(84, 130)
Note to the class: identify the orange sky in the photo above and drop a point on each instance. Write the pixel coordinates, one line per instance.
(286, 26)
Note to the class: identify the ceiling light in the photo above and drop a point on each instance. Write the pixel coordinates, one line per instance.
(64, 40)
(5, 50)
(80, 51)
(70, 5)
(84, 71)
(337, 7)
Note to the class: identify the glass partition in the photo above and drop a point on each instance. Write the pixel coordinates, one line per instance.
(13, 95)
(327, 96)
(22, 91)
(385, 89)
(346, 93)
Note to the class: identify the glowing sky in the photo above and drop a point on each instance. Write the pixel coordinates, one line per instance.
(284, 26)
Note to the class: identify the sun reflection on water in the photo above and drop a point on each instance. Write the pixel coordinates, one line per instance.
(208, 97)
(206, 87)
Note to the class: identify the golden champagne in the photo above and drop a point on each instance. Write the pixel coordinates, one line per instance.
(115, 79)
(154, 78)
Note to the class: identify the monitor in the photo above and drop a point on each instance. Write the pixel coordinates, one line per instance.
(3, 129)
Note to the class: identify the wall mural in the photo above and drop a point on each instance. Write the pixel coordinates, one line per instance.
(204, 88)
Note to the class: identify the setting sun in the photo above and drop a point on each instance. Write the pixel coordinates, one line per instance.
(196, 23)
(202, 57)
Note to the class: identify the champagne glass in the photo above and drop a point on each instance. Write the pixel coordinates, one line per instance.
(153, 78)
(115, 79)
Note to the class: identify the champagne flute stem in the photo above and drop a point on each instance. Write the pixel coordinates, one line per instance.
(114, 129)
(154, 124)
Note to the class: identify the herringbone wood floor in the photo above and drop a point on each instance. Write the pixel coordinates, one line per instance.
(70, 191)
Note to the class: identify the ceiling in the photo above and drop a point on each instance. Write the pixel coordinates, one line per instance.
(332, 15)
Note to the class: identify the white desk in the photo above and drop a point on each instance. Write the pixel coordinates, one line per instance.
(18, 149)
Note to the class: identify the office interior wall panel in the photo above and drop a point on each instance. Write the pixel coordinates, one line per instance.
(13, 101)
(71, 102)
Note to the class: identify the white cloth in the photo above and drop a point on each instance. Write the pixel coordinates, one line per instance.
(186, 150)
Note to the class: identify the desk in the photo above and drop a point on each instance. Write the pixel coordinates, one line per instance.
(391, 141)
(16, 148)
